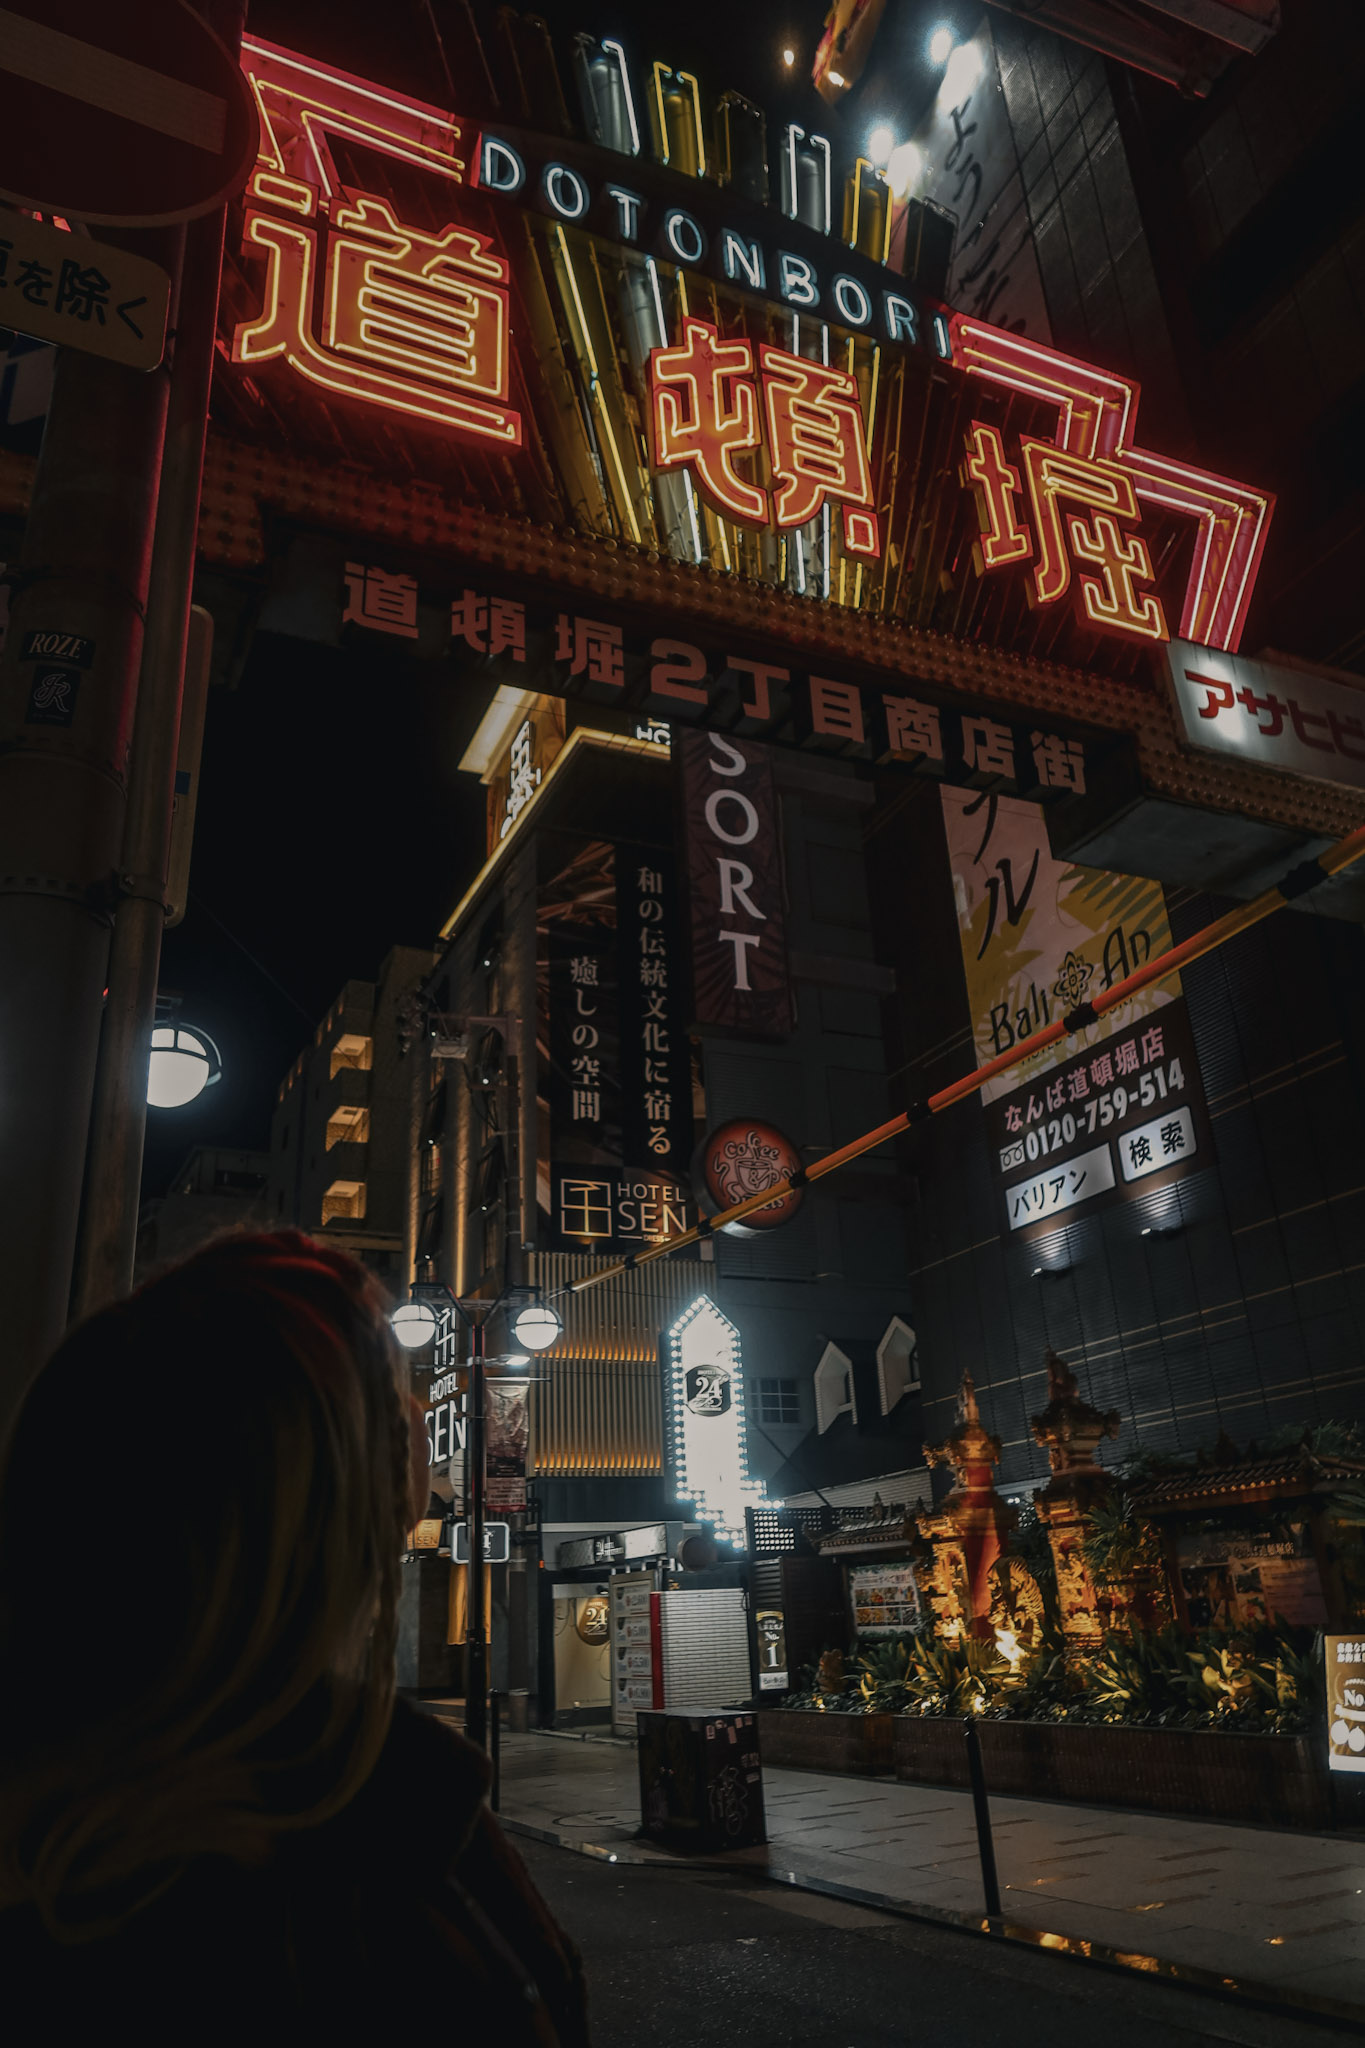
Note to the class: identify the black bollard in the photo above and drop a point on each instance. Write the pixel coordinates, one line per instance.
(495, 1745)
(990, 1884)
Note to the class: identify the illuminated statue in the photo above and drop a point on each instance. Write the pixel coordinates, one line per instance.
(1070, 1431)
(970, 1527)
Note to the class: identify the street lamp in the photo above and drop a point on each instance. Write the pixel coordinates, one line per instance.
(431, 1311)
(414, 1324)
(537, 1326)
(183, 1064)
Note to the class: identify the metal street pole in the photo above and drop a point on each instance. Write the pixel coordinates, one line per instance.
(68, 687)
(113, 1175)
(476, 1646)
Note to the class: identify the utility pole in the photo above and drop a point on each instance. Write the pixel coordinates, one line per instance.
(68, 687)
(476, 1631)
(113, 1175)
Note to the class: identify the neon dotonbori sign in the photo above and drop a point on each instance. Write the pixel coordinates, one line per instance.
(371, 308)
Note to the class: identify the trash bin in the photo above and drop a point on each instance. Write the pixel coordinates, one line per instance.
(701, 1782)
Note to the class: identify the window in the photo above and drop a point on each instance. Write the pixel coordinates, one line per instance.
(344, 1199)
(349, 1125)
(779, 1402)
(833, 1387)
(897, 1363)
(429, 1233)
(351, 1050)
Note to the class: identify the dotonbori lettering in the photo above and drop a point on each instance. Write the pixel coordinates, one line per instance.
(676, 235)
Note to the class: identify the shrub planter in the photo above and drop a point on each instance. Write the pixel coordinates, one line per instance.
(1274, 1779)
(804, 1740)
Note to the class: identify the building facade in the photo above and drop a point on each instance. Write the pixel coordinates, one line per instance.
(340, 1138)
(216, 1188)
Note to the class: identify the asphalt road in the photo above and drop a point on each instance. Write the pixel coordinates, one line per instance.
(679, 1959)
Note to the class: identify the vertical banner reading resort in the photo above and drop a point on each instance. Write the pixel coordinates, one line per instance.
(735, 885)
(1115, 1110)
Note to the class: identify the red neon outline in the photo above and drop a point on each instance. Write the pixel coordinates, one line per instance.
(1057, 476)
(861, 533)
(817, 443)
(406, 315)
(1097, 417)
(695, 424)
(995, 483)
(282, 330)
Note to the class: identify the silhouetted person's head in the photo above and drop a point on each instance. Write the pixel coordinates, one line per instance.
(202, 1514)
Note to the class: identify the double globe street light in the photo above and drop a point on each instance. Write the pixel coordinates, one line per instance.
(535, 1326)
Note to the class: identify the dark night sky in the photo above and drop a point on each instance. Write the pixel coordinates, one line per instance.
(332, 823)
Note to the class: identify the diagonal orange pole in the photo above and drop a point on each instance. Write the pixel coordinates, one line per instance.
(1297, 883)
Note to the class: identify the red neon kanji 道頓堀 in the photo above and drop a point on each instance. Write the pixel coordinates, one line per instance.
(409, 320)
(1093, 464)
(710, 402)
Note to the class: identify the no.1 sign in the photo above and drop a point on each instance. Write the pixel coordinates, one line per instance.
(120, 116)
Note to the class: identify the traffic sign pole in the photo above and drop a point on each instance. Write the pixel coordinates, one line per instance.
(118, 1125)
(476, 1607)
(68, 685)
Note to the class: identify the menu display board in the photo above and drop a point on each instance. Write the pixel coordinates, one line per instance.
(1244, 1579)
(631, 1648)
(885, 1599)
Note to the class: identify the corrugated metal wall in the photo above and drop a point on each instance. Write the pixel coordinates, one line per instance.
(597, 1413)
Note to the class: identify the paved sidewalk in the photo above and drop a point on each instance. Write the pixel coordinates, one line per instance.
(1250, 1905)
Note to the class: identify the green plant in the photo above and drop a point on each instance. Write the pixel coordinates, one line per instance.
(1138, 1675)
(1321, 1439)
(1156, 1465)
(1347, 1506)
(1219, 1680)
(1117, 1539)
(956, 1675)
(883, 1666)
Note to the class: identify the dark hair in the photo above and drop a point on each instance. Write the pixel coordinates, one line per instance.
(202, 1514)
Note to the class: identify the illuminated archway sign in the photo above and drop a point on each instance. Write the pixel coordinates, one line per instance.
(708, 1455)
(367, 305)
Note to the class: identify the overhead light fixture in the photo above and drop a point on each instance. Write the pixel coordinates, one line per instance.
(941, 44)
(837, 78)
(789, 58)
(903, 169)
(880, 144)
(963, 72)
